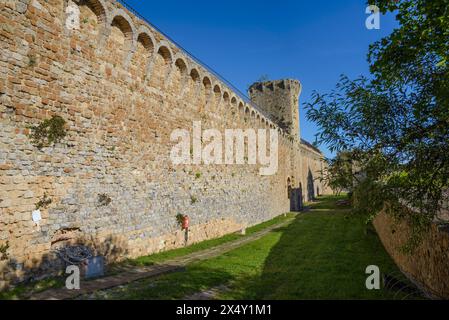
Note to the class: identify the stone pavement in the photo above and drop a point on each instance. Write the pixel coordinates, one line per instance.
(128, 274)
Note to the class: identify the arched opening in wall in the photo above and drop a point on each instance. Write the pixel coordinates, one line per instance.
(234, 103)
(310, 186)
(247, 114)
(161, 67)
(226, 105)
(193, 86)
(253, 115)
(179, 76)
(217, 95)
(241, 108)
(142, 56)
(92, 20)
(294, 195)
(226, 99)
(207, 92)
(96, 7)
(119, 42)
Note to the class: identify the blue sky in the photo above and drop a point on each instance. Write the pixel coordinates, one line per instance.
(313, 41)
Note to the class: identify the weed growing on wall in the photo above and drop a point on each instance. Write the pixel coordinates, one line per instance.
(104, 200)
(49, 132)
(179, 219)
(32, 60)
(44, 202)
(4, 251)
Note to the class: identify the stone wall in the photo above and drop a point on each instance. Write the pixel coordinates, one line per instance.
(122, 88)
(428, 266)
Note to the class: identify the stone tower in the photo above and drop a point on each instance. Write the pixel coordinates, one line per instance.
(280, 99)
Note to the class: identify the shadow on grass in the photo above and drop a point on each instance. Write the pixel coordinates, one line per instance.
(322, 256)
(173, 286)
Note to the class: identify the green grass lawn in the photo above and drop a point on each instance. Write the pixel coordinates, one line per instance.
(23, 291)
(321, 254)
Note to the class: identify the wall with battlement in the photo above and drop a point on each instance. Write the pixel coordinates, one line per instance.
(280, 100)
(122, 88)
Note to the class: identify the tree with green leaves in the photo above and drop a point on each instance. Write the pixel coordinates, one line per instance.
(396, 123)
(339, 173)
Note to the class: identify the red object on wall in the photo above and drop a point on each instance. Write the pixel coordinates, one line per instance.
(185, 222)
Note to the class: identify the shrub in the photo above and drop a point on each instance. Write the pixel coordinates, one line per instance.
(104, 200)
(44, 202)
(49, 132)
(4, 251)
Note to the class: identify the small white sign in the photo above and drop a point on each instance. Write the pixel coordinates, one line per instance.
(36, 215)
